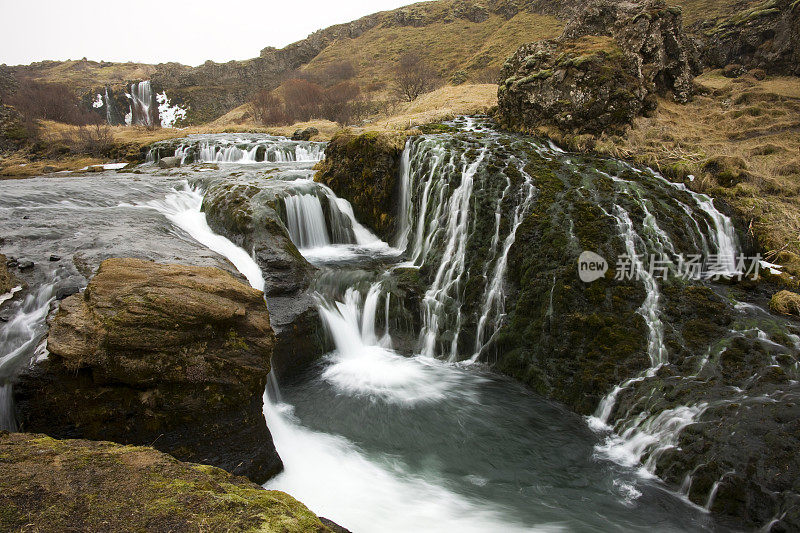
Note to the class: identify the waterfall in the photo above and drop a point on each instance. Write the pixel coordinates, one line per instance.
(451, 268)
(19, 338)
(244, 150)
(494, 296)
(182, 208)
(107, 102)
(306, 221)
(143, 105)
(404, 209)
(315, 461)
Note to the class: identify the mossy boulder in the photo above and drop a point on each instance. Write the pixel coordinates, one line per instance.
(785, 303)
(53, 485)
(761, 35)
(168, 355)
(365, 169)
(604, 70)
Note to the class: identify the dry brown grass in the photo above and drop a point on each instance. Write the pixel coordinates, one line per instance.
(446, 46)
(757, 121)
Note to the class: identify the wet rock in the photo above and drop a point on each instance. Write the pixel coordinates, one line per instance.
(364, 169)
(25, 265)
(55, 257)
(168, 355)
(305, 134)
(48, 483)
(169, 162)
(247, 213)
(785, 303)
(604, 70)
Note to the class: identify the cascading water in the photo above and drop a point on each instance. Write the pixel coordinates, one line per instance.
(242, 149)
(386, 436)
(144, 110)
(306, 221)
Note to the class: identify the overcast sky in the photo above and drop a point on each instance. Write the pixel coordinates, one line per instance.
(187, 31)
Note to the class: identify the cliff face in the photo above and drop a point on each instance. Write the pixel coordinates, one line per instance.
(763, 35)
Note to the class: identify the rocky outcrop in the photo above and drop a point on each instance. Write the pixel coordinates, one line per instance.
(607, 67)
(171, 356)
(13, 132)
(247, 212)
(764, 36)
(53, 485)
(365, 169)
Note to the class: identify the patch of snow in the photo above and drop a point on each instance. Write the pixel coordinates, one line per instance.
(169, 113)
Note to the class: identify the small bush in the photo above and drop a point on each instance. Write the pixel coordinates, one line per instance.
(51, 101)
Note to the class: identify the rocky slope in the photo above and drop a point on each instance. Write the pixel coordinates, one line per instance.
(78, 485)
(171, 356)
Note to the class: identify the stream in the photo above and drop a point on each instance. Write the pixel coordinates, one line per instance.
(403, 426)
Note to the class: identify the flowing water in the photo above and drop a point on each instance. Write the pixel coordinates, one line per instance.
(382, 434)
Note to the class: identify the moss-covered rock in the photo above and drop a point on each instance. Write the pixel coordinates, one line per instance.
(365, 169)
(53, 485)
(168, 355)
(602, 72)
(13, 131)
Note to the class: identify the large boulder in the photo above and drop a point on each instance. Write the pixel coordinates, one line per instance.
(53, 485)
(606, 68)
(365, 169)
(166, 355)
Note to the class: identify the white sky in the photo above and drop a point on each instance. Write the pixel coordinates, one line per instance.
(147, 31)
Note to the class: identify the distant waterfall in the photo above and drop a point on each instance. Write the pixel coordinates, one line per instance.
(144, 108)
(244, 149)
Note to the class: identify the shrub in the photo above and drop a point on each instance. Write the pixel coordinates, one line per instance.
(413, 77)
(51, 101)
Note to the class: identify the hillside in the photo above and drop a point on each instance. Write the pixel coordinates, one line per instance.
(461, 40)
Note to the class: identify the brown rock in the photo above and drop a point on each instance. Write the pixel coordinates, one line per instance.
(172, 355)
